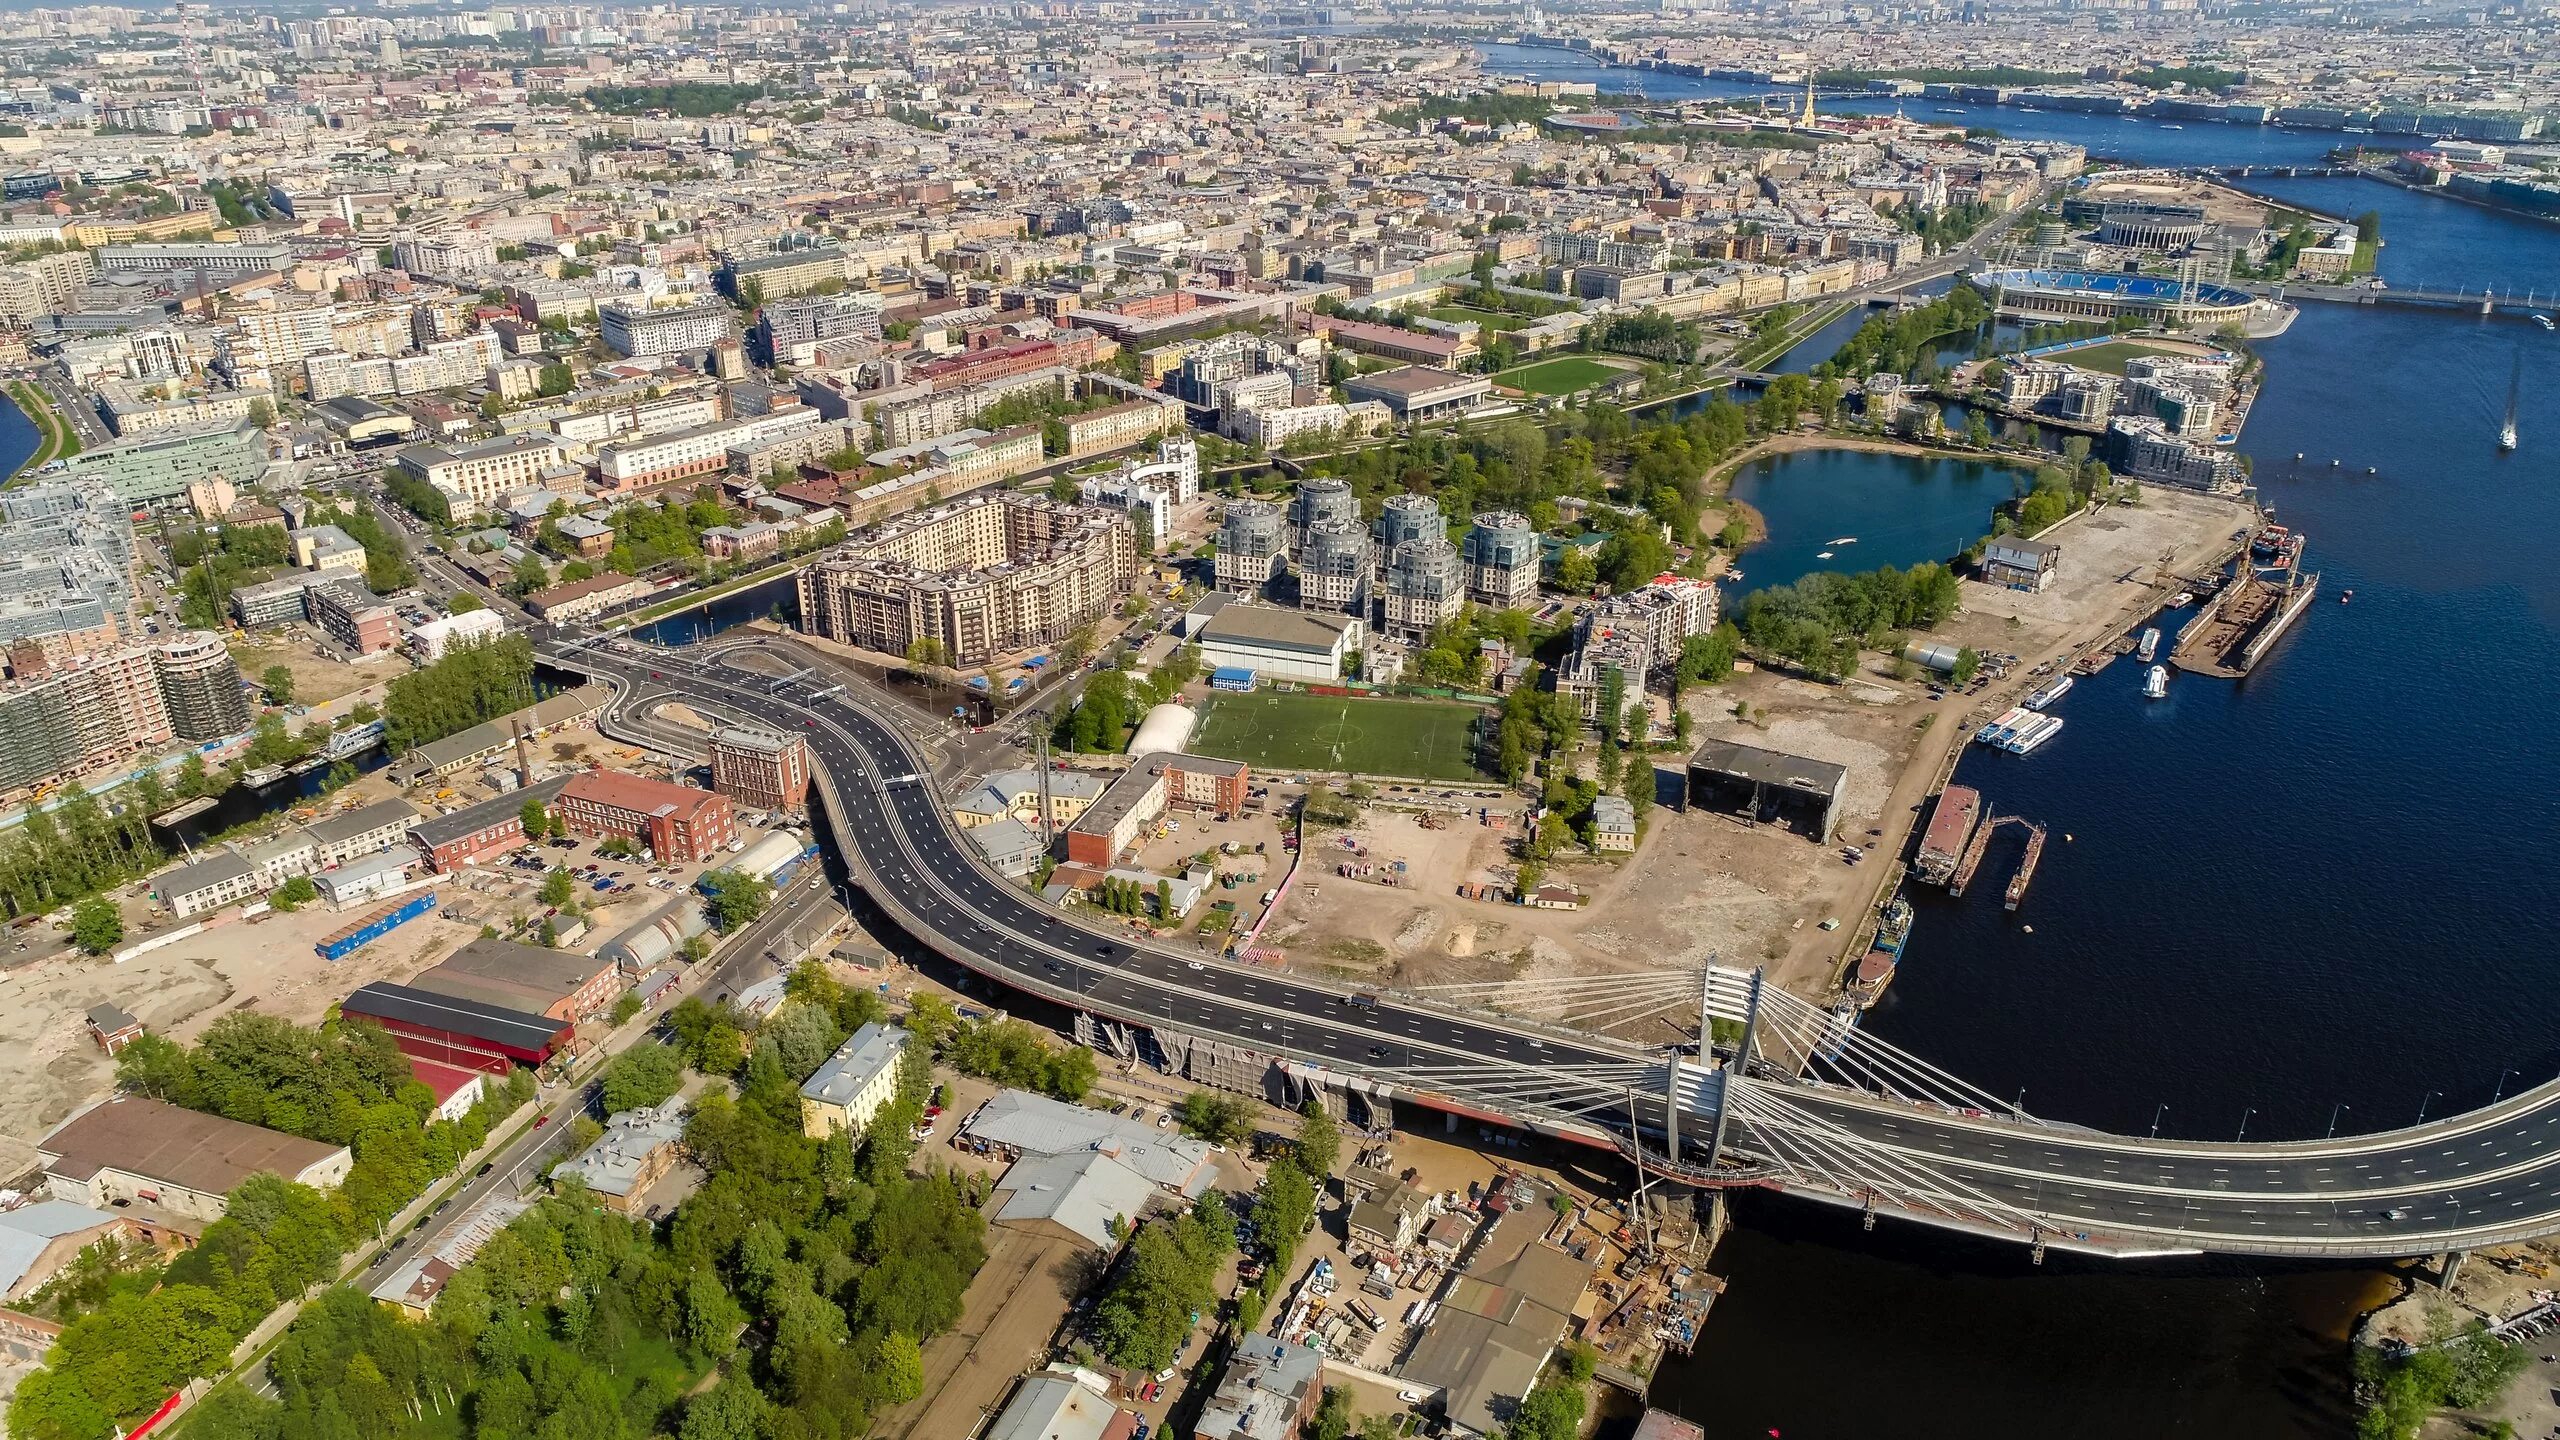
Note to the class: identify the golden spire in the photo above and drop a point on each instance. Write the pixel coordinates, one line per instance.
(1808, 99)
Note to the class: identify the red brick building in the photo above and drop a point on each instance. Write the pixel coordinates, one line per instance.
(1150, 786)
(759, 768)
(678, 822)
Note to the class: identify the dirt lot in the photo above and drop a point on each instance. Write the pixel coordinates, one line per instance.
(1704, 885)
(316, 677)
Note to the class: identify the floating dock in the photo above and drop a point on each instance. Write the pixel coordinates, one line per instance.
(1972, 856)
(2231, 636)
(2026, 864)
(183, 812)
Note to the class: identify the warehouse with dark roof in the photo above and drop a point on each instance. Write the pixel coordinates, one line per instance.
(452, 1030)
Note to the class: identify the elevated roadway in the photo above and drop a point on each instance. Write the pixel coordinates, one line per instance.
(1901, 1144)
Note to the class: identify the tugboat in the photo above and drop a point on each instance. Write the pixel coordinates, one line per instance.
(1875, 969)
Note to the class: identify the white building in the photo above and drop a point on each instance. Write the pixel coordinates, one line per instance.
(669, 330)
(1281, 644)
(430, 641)
(854, 1083)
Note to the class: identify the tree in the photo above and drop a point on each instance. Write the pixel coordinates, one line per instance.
(96, 926)
(262, 414)
(737, 898)
(1218, 1119)
(929, 660)
(1319, 1138)
(277, 681)
(558, 888)
(642, 1076)
(734, 1409)
(1576, 569)
(294, 893)
(901, 1370)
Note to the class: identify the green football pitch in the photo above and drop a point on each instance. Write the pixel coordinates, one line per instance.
(1557, 377)
(1422, 739)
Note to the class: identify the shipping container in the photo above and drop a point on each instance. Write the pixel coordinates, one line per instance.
(374, 926)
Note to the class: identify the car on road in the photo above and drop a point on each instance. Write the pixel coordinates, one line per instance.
(541, 1120)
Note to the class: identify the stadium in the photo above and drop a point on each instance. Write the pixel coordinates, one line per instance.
(2087, 295)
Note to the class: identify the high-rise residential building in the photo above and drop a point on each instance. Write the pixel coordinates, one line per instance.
(91, 710)
(45, 285)
(481, 474)
(200, 686)
(760, 768)
(66, 565)
(1426, 587)
(1333, 567)
(984, 576)
(1253, 547)
(1501, 555)
(1321, 498)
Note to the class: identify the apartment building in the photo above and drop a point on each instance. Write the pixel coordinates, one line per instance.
(476, 476)
(985, 576)
(46, 285)
(640, 463)
(636, 328)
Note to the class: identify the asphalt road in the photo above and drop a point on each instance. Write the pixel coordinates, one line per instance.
(2455, 1183)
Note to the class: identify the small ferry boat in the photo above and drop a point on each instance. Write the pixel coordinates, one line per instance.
(2033, 734)
(1846, 540)
(2276, 547)
(2346, 595)
(2182, 600)
(2544, 321)
(2047, 694)
(1825, 555)
(1999, 731)
(2150, 645)
(2155, 681)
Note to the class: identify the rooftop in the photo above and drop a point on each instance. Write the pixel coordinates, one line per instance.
(159, 1141)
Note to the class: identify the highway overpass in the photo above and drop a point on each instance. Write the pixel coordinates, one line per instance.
(1819, 1109)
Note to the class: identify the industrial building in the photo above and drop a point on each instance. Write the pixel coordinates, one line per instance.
(1151, 785)
(677, 822)
(451, 1030)
(1769, 786)
(560, 985)
(1498, 1321)
(129, 1148)
(984, 576)
(759, 768)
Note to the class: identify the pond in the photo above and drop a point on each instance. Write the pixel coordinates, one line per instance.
(1851, 510)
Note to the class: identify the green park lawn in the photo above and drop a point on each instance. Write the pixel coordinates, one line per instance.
(1562, 376)
(1420, 739)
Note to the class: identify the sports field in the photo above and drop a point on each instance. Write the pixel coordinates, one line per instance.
(1422, 739)
(1561, 376)
(2110, 356)
(1488, 319)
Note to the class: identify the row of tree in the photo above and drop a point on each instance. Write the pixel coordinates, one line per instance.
(471, 685)
(1820, 622)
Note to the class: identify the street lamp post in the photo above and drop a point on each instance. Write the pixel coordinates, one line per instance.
(2155, 1119)
(2244, 1124)
(2333, 1118)
(2503, 1077)
(2423, 1104)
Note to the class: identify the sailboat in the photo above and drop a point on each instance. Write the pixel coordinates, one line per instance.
(2515, 389)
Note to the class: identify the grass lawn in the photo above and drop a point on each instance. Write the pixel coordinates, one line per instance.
(1487, 319)
(1422, 739)
(2110, 357)
(1562, 376)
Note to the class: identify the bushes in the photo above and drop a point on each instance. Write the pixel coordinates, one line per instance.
(1010, 1052)
(469, 685)
(641, 1076)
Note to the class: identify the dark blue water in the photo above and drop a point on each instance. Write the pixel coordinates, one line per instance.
(1892, 509)
(756, 602)
(2430, 241)
(2342, 859)
(2141, 142)
(18, 436)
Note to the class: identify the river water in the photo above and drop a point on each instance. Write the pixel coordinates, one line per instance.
(18, 436)
(2315, 896)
